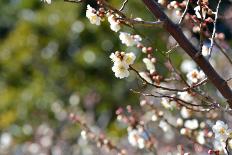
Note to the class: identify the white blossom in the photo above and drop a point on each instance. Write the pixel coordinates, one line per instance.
(128, 39)
(121, 63)
(145, 77)
(162, 2)
(194, 76)
(141, 143)
(5, 140)
(92, 16)
(47, 1)
(191, 124)
(84, 134)
(220, 146)
(185, 113)
(114, 25)
(135, 139)
(129, 58)
(179, 122)
(121, 70)
(221, 131)
(168, 104)
(201, 137)
(187, 65)
(205, 50)
(149, 65)
(164, 126)
(185, 96)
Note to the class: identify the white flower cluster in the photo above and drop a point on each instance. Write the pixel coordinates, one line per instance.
(47, 1)
(121, 63)
(137, 138)
(128, 39)
(92, 16)
(195, 76)
(222, 133)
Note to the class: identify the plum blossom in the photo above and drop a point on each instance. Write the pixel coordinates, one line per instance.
(84, 134)
(205, 50)
(220, 146)
(187, 65)
(47, 1)
(185, 113)
(121, 63)
(120, 70)
(221, 131)
(149, 65)
(185, 96)
(128, 39)
(195, 76)
(164, 126)
(114, 24)
(92, 16)
(201, 137)
(145, 77)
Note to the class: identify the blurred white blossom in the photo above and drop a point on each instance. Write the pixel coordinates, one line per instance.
(128, 39)
(191, 124)
(47, 1)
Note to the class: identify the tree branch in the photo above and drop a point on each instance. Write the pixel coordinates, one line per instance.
(178, 35)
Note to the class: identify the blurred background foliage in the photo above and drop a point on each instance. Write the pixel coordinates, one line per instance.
(51, 56)
(54, 62)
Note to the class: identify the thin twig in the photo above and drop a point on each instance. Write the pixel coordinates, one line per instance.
(123, 5)
(229, 79)
(74, 1)
(166, 88)
(226, 147)
(184, 13)
(140, 22)
(215, 27)
(178, 100)
(172, 48)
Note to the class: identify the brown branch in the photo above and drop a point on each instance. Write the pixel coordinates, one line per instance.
(178, 35)
(158, 86)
